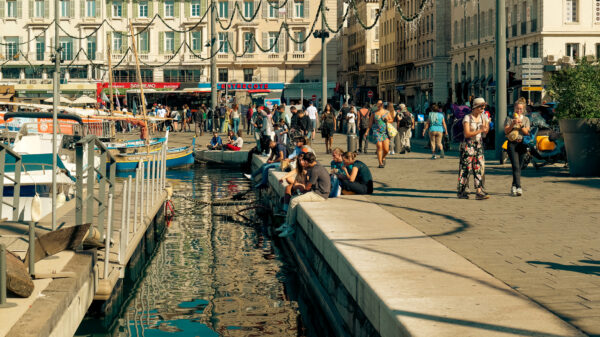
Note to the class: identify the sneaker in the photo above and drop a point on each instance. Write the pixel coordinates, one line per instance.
(282, 228)
(513, 191)
(442, 155)
(392, 152)
(519, 191)
(288, 232)
(408, 149)
(248, 176)
(462, 195)
(433, 157)
(482, 196)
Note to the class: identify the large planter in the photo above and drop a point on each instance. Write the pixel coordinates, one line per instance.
(582, 142)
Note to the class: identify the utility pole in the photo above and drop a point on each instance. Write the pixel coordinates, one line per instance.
(55, 101)
(213, 62)
(500, 74)
(323, 35)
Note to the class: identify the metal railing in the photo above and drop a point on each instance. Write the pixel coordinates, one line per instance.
(4, 150)
(84, 209)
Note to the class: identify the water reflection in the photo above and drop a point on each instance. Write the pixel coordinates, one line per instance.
(213, 274)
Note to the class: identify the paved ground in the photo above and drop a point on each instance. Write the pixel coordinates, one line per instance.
(545, 244)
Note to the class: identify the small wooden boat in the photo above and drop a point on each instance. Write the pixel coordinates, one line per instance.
(135, 146)
(176, 158)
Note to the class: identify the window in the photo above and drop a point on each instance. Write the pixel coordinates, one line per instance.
(12, 48)
(273, 9)
(40, 47)
(196, 8)
(523, 52)
(39, 9)
(535, 50)
(117, 42)
(223, 75)
(299, 9)
(169, 9)
(90, 8)
(223, 45)
(491, 23)
(249, 42)
(11, 9)
(573, 50)
(299, 46)
(66, 43)
(185, 75)
(273, 75)
(248, 9)
(223, 9)
(117, 8)
(455, 32)
(169, 42)
(598, 51)
(143, 9)
(248, 73)
(571, 11)
(273, 42)
(11, 73)
(143, 42)
(597, 11)
(91, 47)
(374, 56)
(196, 38)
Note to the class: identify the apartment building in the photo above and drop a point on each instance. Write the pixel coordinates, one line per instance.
(415, 61)
(555, 31)
(175, 49)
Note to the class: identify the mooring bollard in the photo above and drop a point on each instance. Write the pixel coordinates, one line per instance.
(3, 303)
(108, 236)
(31, 248)
(123, 239)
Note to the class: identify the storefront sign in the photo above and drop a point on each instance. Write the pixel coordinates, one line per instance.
(250, 86)
(146, 85)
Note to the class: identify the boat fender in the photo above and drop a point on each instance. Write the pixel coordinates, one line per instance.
(36, 208)
(61, 198)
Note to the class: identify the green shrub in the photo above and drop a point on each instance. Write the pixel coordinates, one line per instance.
(577, 90)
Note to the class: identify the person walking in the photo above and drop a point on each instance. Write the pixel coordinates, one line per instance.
(351, 120)
(249, 114)
(364, 117)
(328, 127)
(312, 113)
(394, 122)
(436, 125)
(378, 126)
(471, 154)
(235, 117)
(515, 127)
(405, 126)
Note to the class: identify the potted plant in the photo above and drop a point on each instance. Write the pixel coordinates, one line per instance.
(577, 90)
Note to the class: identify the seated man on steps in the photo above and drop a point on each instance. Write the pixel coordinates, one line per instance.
(319, 185)
(215, 142)
(278, 154)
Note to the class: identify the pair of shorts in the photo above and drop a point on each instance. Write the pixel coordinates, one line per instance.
(327, 131)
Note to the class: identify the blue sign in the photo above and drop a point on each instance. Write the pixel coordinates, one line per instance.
(244, 86)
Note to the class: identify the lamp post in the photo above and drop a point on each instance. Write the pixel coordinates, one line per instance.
(323, 34)
(213, 61)
(500, 74)
(55, 101)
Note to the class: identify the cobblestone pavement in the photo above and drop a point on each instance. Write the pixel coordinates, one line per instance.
(545, 244)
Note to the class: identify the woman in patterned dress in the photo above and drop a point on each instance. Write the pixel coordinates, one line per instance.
(378, 127)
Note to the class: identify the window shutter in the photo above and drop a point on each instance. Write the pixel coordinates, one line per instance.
(161, 42)
(161, 8)
(265, 41)
(230, 41)
(265, 9)
(278, 4)
(230, 5)
(47, 8)
(19, 9)
(124, 42)
(176, 8)
(71, 8)
(290, 8)
(176, 41)
(203, 7)
(124, 8)
(98, 13)
(109, 8)
(81, 8)
(150, 9)
(2, 10)
(281, 43)
(187, 8)
(306, 11)
(31, 9)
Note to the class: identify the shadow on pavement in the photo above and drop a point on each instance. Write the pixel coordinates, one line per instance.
(590, 270)
(591, 182)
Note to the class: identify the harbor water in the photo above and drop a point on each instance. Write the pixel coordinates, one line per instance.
(216, 272)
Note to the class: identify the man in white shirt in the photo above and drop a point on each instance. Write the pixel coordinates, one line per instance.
(351, 118)
(312, 114)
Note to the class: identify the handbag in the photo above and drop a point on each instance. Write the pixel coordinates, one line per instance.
(391, 130)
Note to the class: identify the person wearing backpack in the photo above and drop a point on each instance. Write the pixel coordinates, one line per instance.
(437, 128)
(364, 117)
(405, 126)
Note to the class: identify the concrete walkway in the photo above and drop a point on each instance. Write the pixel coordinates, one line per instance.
(545, 244)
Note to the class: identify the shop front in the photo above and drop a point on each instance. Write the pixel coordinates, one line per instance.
(37, 93)
(120, 89)
(295, 92)
(246, 93)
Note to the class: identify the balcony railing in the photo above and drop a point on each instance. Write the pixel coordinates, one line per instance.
(273, 56)
(298, 56)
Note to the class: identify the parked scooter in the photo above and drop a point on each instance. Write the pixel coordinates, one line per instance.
(544, 145)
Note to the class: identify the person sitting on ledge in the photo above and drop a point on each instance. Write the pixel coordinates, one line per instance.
(278, 154)
(357, 177)
(234, 142)
(296, 180)
(319, 185)
(215, 142)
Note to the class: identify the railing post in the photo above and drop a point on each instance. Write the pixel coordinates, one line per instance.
(2, 168)
(108, 237)
(124, 230)
(79, 184)
(136, 197)
(147, 184)
(101, 185)
(89, 207)
(129, 187)
(17, 189)
(154, 177)
(142, 184)
(3, 303)
(31, 248)
(165, 166)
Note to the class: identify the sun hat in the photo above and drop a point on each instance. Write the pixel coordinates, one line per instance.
(477, 102)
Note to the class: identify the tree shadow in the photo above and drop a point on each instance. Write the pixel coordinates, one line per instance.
(591, 182)
(589, 270)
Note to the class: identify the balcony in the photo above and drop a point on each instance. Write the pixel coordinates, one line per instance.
(223, 57)
(274, 56)
(144, 57)
(298, 56)
(168, 57)
(116, 57)
(248, 56)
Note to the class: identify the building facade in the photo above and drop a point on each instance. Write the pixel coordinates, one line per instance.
(556, 32)
(173, 47)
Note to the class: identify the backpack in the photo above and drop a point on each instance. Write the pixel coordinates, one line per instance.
(364, 120)
(405, 121)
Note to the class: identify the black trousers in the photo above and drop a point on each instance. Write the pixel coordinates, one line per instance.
(516, 154)
(357, 187)
(361, 138)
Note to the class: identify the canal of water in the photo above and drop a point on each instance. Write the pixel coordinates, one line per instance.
(214, 273)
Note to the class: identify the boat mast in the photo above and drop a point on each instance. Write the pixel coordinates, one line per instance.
(110, 74)
(139, 78)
